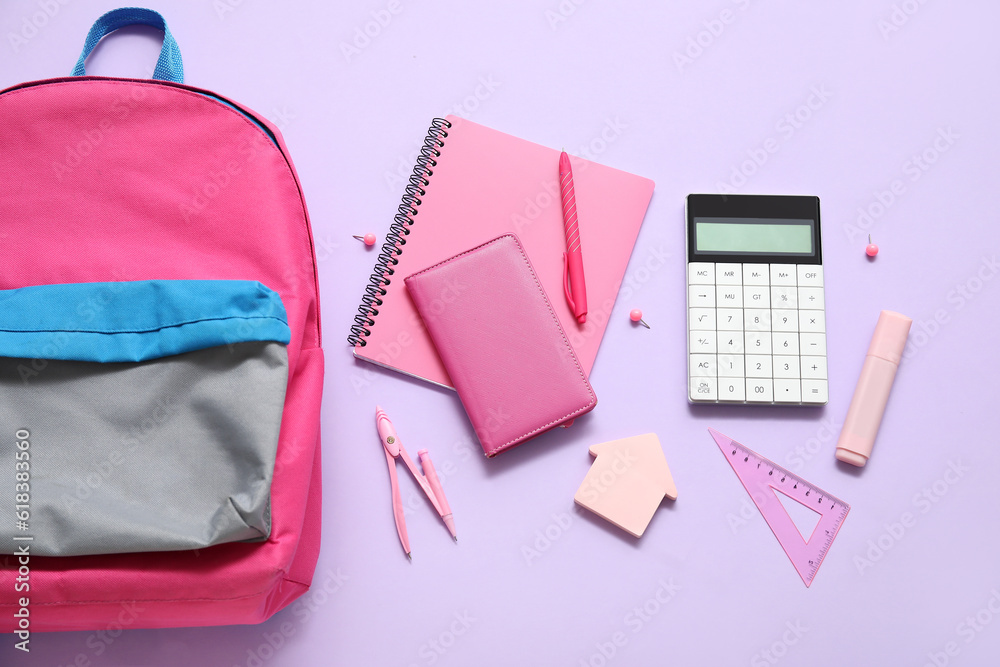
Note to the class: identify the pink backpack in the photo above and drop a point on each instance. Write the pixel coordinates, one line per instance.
(157, 192)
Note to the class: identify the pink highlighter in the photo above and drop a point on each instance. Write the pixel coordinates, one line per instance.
(872, 393)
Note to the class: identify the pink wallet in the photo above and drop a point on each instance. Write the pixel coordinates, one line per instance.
(501, 343)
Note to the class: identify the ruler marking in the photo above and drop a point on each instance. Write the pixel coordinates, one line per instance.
(812, 553)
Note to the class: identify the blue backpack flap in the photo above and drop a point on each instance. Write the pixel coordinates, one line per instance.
(150, 409)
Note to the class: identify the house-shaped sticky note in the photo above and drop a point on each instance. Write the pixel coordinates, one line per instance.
(627, 482)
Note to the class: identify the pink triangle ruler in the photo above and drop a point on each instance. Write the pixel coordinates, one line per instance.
(763, 480)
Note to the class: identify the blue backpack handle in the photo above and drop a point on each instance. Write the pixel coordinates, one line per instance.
(168, 68)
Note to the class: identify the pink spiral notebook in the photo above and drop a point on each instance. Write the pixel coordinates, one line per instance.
(472, 184)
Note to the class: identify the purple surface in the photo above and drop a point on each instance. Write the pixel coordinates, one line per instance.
(534, 580)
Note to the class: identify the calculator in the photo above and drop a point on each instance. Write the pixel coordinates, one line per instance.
(755, 305)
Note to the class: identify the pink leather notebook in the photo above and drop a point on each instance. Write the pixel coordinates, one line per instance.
(501, 342)
(472, 184)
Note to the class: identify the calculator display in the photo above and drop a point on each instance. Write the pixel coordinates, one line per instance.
(753, 236)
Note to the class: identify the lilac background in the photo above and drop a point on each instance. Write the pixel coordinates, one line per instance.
(352, 120)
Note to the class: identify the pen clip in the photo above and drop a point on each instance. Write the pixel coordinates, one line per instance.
(566, 288)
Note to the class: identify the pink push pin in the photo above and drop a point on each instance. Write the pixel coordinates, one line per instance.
(636, 316)
(871, 250)
(368, 238)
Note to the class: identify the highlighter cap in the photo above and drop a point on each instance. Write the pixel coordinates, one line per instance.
(889, 339)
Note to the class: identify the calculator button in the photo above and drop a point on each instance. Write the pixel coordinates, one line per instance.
(813, 343)
(812, 321)
(704, 389)
(756, 319)
(730, 319)
(814, 391)
(758, 342)
(786, 366)
(702, 342)
(701, 273)
(814, 368)
(783, 297)
(701, 296)
(732, 389)
(757, 333)
(756, 297)
(784, 320)
(703, 365)
(811, 298)
(731, 366)
(730, 342)
(787, 391)
(702, 319)
(783, 274)
(729, 296)
(728, 274)
(785, 343)
(760, 391)
(810, 275)
(756, 274)
(758, 365)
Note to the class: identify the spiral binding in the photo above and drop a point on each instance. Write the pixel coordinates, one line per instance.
(399, 229)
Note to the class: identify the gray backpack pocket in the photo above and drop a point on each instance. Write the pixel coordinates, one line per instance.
(139, 416)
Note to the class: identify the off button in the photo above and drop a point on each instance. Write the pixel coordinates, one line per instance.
(810, 275)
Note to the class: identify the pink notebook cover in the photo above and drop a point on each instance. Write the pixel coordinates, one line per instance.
(487, 183)
(502, 343)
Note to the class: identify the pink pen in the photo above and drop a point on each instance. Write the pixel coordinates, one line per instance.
(430, 484)
(574, 285)
(432, 479)
(872, 393)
